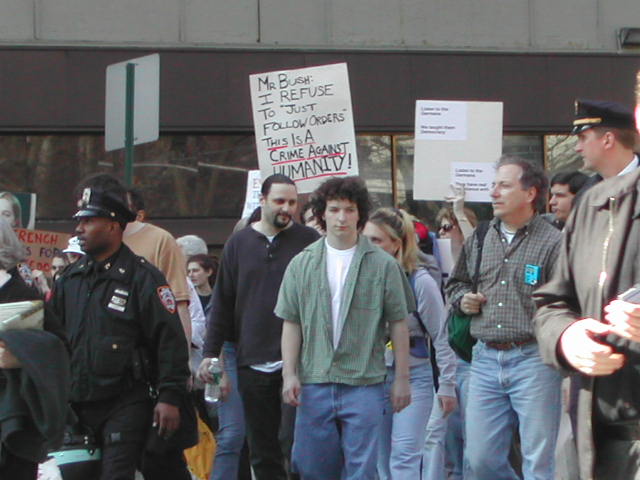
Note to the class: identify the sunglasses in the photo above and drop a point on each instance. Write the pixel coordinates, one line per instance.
(446, 228)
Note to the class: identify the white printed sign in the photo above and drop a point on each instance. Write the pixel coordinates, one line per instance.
(470, 132)
(437, 120)
(304, 124)
(476, 178)
(252, 199)
(446, 257)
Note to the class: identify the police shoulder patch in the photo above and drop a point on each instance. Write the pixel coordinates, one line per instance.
(167, 299)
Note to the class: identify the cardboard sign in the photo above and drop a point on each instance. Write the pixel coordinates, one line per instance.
(304, 124)
(42, 246)
(449, 133)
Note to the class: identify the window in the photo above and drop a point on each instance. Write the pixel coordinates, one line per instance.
(560, 154)
(179, 175)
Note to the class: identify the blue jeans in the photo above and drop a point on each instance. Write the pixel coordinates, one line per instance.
(456, 464)
(509, 387)
(402, 434)
(231, 430)
(337, 428)
(433, 455)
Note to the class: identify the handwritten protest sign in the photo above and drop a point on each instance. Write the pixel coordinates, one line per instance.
(42, 246)
(304, 124)
(449, 134)
(252, 199)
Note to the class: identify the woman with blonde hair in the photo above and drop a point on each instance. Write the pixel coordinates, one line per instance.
(403, 434)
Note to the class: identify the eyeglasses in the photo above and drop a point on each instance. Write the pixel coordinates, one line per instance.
(447, 227)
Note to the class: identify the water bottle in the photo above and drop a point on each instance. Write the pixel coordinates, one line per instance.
(212, 390)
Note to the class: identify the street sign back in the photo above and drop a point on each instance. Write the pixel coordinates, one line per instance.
(146, 108)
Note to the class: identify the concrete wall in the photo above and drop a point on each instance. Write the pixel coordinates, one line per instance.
(515, 25)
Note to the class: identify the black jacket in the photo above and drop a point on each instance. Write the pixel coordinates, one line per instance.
(112, 312)
(33, 398)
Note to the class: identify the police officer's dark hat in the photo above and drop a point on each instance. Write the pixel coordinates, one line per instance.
(596, 113)
(103, 204)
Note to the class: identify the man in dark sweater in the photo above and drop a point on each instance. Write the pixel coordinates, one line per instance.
(244, 297)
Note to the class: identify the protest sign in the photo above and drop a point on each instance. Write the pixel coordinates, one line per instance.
(456, 142)
(446, 257)
(19, 209)
(304, 124)
(42, 246)
(252, 198)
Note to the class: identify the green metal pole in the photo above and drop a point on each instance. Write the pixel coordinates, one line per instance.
(128, 124)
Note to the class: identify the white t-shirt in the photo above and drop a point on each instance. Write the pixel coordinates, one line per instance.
(506, 233)
(338, 262)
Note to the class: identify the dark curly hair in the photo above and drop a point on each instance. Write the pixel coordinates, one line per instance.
(342, 188)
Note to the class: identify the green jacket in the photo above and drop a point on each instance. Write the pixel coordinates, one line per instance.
(376, 293)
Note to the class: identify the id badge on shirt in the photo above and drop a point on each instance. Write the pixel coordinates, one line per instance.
(532, 274)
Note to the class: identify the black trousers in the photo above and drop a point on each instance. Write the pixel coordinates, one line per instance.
(124, 423)
(170, 465)
(269, 423)
(617, 459)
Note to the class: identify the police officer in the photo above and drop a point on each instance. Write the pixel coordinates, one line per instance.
(606, 137)
(126, 338)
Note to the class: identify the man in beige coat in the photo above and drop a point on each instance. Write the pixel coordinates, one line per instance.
(582, 327)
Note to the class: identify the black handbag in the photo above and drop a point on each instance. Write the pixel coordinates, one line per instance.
(185, 437)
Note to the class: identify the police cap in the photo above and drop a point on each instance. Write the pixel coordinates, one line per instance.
(103, 204)
(596, 113)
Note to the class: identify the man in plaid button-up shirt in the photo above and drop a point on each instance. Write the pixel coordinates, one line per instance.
(509, 384)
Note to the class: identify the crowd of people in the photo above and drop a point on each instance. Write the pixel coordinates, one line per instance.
(332, 325)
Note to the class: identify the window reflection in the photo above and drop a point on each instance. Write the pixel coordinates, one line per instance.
(374, 164)
(560, 154)
(182, 175)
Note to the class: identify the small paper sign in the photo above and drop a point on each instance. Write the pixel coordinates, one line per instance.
(476, 178)
(441, 120)
(252, 199)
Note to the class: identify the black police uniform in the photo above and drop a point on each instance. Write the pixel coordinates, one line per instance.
(115, 313)
(124, 332)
